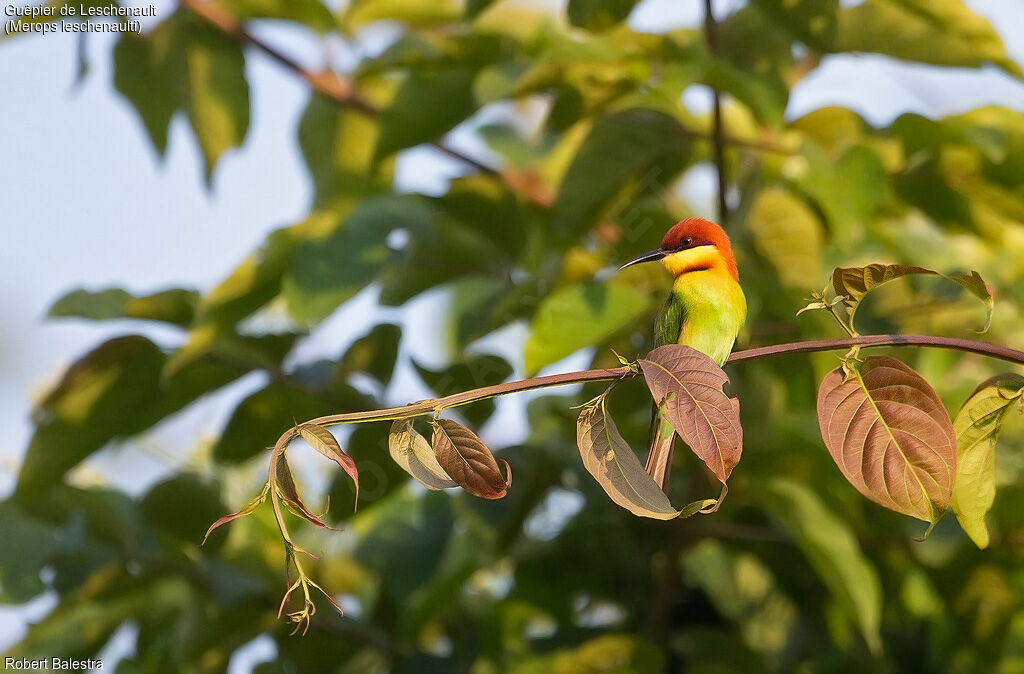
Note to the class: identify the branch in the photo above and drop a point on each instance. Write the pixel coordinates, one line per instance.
(866, 341)
(341, 91)
(717, 135)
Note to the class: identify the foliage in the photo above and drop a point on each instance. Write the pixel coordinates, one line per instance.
(794, 570)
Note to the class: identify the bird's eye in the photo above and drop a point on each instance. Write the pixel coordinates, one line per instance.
(687, 242)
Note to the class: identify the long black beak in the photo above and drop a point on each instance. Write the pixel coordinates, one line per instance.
(649, 256)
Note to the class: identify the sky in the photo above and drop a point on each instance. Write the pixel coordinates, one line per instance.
(86, 202)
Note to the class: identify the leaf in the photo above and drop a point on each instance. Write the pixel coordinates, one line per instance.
(789, 235)
(633, 143)
(374, 353)
(940, 32)
(311, 13)
(183, 506)
(323, 441)
(848, 190)
(115, 391)
(410, 12)
(186, 64)
(856, 282)
(830, 545)
(260, 418)
(217, 93)
(176, 306)
(288, 490)
(464, 457)
(596, 15)
(689, 384)
(144, 74)
(327, 271)
(338, 146)
(413, 453)
(426, 105)
(890, 436)
(616, 468)
(578, 316)
(247, 509)
(977, 427)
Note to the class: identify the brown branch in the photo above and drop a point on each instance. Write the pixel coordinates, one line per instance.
(341, 91)
(717, 134)
(438, 404)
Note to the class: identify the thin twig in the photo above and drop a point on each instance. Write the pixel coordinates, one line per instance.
(717, 133)
(340, 90)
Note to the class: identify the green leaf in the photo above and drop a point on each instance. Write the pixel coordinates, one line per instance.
(638, 144)
(413, 453)
(856, 282)
(579, 316)
(144, 73)
(176, 306)
(28, 544)
(473, 372)
(789, 235)
(114, 392)
(186, 64)
(410, 12)
(940, 32)
(328, 271)
(403, 539)
(259, 419)
(426, 105)
(598, 14)
(611, 462)
(182, 505)
(849, 190)
(977, 427)
(890, 435)
(374, 353)
(217, 94)
(311, 13)
(831, 547)
(338, 146)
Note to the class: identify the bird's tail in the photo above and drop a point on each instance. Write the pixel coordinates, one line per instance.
(659, 454)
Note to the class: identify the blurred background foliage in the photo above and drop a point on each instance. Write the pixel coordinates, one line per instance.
(796, 571)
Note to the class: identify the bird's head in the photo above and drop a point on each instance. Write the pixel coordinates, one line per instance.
(694, 244)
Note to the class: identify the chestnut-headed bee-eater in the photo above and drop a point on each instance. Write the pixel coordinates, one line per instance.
(705, 310)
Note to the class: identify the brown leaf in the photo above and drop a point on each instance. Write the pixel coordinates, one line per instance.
(413, 453)
(690, 384)
(464, 456)
(856, 282)
(245, 510)
(616, 468)
(890, 436)
(323, 441)
(289, 491)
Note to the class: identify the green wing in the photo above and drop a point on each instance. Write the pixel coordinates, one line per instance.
(670, 321)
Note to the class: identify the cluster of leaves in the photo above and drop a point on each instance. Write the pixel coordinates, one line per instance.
(797, 570)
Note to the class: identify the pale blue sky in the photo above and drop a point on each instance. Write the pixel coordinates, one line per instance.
(86, 202)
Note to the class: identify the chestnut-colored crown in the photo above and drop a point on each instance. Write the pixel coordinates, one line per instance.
(693, 232)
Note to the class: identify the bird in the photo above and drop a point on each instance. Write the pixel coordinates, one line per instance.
(705, 310)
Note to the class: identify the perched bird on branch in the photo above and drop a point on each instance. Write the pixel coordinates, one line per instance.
(705, 310)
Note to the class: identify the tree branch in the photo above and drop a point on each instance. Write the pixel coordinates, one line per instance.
(865, 341)
(717, 133)
(341, 91)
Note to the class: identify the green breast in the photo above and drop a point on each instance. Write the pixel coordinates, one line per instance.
(705, 310)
